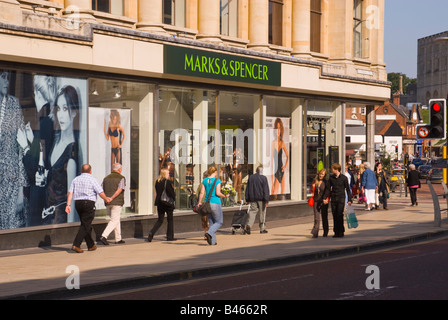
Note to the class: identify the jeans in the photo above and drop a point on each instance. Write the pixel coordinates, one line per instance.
(215, 221)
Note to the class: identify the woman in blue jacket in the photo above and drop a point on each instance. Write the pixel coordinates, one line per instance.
(369, 184)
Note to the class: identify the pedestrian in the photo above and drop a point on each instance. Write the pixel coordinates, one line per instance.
(204, 219)
(164, 183)
(84, 189)
(338, 188)
(369, 185)
(215, 219)
(257, 195)
(383, 186)
(320, 206)
(361, 195)
(113, 186)
(413, 183)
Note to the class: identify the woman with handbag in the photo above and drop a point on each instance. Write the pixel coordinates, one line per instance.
(211, 192)
(320, 206)
(165, 196)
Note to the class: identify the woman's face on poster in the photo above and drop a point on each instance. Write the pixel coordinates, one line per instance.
(63, 113)
(114, 119)
(4, 83)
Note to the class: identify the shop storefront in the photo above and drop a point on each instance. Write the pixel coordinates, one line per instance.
(204, 108)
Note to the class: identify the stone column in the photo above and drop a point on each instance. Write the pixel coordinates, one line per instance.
(80, 9)
(258, 25)
(209, 21)
(150, 16)
(301, 23)
(370, 134)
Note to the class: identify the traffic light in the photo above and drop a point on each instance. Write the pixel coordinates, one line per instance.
(436, 129)
(437, 118)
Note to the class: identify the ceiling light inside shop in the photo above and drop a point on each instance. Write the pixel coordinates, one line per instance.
(117, 94)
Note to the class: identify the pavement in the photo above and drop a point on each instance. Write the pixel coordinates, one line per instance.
(42, 273)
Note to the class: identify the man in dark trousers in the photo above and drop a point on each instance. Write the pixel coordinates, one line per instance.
(257, 195)
(84, 190)
(338, 188)
(113, 186)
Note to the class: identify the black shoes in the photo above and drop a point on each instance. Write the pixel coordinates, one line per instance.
(104, 241)
(150, 236)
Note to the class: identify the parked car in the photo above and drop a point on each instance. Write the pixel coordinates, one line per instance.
(435, 175)
(439, 163)
(396, 176)
(424, 170)
(417, 162)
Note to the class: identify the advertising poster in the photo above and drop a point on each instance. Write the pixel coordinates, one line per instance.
(42, 146)
(109, 142)
(278, 148)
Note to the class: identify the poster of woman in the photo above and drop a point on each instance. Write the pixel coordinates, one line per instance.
(278, 150)
(109, 143)
(63, 160)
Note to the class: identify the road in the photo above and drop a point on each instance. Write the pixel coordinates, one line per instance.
(414, 272)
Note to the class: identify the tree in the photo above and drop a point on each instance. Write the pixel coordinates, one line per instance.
(394, 78)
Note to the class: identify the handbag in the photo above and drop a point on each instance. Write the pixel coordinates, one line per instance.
(205, 208)
(165, 199)
(311, 201)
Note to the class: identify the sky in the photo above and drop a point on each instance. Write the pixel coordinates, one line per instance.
(406, 21)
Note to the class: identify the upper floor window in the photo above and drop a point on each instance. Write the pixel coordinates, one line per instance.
(109, 6)
(174, 12)
(315, 27)
(229, 18)
(357, 28)
(275, 22)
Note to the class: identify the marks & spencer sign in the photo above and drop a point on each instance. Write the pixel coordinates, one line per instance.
(207, 64)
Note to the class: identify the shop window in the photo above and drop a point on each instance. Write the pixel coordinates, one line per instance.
(229, 18)
(275, 22)
(174, 12)
(283, 149)
(109, 6)
(202, 128)
(44, 142)
(315, 27)
(117, 126)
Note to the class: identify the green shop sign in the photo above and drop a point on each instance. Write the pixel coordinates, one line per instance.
(206, 64)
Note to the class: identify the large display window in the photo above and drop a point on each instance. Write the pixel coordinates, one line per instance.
(202, 128)
(120, 131)
(43, 144)
(51, 124)
(283, 147)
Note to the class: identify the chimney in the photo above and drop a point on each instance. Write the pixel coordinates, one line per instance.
(396, 98)
(401, 85)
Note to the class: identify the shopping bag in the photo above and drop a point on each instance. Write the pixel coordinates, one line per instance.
(350, 217)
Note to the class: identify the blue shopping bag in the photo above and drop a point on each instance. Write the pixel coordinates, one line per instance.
(350, 217)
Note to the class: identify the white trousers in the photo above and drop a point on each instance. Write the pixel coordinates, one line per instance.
(114, 212)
